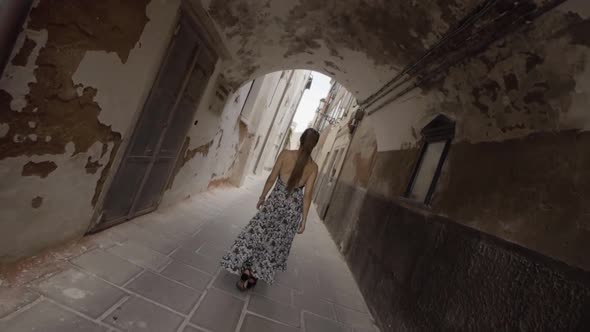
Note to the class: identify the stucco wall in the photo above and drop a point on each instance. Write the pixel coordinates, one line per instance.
(358, 43)
(78, 76)
(211, 145)
(518, 170)
(220, 147)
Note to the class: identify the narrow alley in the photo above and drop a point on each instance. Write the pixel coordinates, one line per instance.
(449, 185)
(160, 273)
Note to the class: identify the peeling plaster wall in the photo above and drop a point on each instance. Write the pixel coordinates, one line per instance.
(229, 136)
(349, 194)
(220, 147)
(518, 170)
(209, 157)
(78, 75)
(358, 42)
(260, 121)
(517, 167)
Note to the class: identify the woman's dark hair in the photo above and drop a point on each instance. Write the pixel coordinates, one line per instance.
(308, 141)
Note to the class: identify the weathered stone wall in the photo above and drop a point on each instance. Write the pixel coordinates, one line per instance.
(343, 215)
(426, 273)
(78, 75)
(360, 43)
(211, 146)
(518, 170)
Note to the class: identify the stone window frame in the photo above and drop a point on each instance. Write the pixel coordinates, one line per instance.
(440, 129)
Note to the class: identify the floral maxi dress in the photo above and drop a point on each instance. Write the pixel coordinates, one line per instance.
(264, 244)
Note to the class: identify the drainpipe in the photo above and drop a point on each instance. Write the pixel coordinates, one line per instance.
(13, 14)
(272, 122)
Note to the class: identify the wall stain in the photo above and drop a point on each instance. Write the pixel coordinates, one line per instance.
(535, 196)
(54, 103)
(191, 153)
(217, 183)
(92, 166)
(220, 138)
(22, 57)
(186, 155)
(37, 202)
(510, 82)
(242, 132)
(532, 61)
(372, 28)
(105, 171)
(389, 33)
(40, 169)
(578, 30)
(522, 88)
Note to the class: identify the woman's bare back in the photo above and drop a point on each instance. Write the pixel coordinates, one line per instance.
(287, 164)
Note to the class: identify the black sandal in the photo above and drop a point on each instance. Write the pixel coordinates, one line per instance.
(245, 276)
(245, 285)
(247, 281)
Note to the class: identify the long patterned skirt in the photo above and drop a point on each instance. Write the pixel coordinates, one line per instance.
(264, 244)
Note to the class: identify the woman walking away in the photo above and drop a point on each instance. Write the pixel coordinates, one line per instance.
(263, 246)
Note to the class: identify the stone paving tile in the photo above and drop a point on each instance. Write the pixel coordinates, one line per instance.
(315, 323)
(211, 251)
(340, 296)
(138, 315)
(355, 302)
(258, 324)
(280, 312)
(313, 304)
(147, 238)
(12, 299)
(107, 266)
(203, 263)
(227, 282)
(193, 243)
(81, 292)
(366, 329)
(178, 229)
(316, 281)
(298, 279)
(191, 329)
(49, 317)
(187, 275)
(275, 292)
(218, 312)
(102, 241)
(222, 236)
(338, 279)
(140, 255)
(353, 318)
(164, 291)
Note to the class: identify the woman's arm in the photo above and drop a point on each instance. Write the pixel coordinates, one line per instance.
(272, 178)
(309, 184)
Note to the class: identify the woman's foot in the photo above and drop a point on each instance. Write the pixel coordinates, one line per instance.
(244, 285)
(246, 281)
(246, 274)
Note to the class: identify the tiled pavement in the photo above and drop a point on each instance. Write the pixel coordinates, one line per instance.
(160, 273)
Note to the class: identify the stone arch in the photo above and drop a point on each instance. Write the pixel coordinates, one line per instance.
(361, 44)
